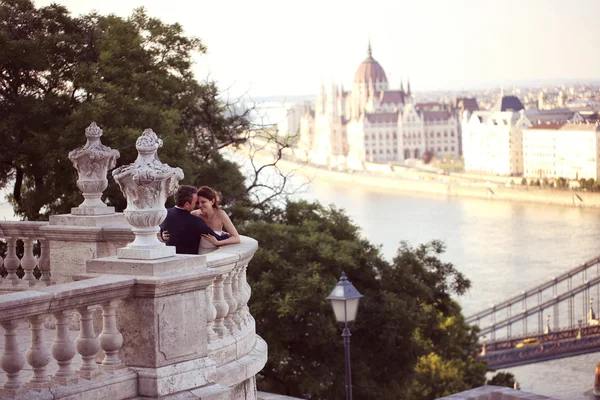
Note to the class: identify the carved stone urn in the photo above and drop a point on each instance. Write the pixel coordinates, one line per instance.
(92, 161)
(146, 184)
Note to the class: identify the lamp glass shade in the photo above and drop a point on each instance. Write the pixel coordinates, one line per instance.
(345, 310)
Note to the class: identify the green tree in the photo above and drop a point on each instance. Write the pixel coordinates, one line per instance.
(502, 379)
(407, 312)
(126, 74)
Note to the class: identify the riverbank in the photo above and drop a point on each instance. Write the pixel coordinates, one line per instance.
(412, 181)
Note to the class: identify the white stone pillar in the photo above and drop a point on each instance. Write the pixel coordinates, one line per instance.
(238, 295)
(44, 261)
(11, 262)
(63, 349)
(111, 339)
(221, 306)
(231, 303)
(38, 355)
(12, 359)
(28, 261)
(247, 293)
(88, 344)
(211, 314)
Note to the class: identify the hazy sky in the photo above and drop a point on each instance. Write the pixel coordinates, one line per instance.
(286, 47)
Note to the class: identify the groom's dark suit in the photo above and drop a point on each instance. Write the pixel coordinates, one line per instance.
(184, 230)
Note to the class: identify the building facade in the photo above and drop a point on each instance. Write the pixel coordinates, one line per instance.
(567, 150)
(373, 123)
(492, 140)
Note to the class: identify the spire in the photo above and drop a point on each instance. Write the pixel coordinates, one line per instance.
(408, 86)
(401, 85)
(369, 52)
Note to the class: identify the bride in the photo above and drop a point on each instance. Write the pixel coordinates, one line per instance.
(215, 218)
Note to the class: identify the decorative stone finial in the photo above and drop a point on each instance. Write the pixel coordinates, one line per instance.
(92, 161)
(146, 185)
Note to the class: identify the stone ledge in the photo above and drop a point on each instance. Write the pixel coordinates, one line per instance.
(494, 393)
(137, 267)
(163, 381)
(232, 252)
(107, 387)
(245, 367)
(272, 396)
(64, 296)
(22, 229)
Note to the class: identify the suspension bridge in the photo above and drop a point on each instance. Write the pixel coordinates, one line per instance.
(552, 320)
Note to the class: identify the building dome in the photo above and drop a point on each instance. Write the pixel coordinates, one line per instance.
(369, 70)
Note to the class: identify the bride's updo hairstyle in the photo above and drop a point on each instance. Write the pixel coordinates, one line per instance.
(210, 194)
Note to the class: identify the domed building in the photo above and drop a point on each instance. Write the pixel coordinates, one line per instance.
(372, 123)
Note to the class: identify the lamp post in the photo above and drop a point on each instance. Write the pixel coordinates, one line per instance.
(344, 301)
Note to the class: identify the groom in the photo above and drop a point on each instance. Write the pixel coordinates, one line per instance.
(184, 229)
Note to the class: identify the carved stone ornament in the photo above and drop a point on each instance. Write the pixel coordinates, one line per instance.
(92, 162)
(146, 184)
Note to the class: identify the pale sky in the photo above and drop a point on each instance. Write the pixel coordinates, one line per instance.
(280, 47)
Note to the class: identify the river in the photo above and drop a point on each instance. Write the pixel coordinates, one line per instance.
(502, 247)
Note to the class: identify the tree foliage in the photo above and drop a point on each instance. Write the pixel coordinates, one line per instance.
(60, 72)
(408, 325)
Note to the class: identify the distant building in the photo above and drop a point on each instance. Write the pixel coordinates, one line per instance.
(493, 139)
(290, 126)
(373, 123)
(568, 150)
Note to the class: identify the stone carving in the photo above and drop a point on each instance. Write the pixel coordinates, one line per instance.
(146, 184)
(92, 161)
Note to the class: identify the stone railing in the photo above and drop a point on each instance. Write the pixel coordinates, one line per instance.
(60, 301)
(29, 233)
(166, 331)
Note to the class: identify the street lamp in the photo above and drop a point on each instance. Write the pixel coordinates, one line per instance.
(344, 301)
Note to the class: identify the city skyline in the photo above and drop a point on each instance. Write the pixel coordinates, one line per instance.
(266, 48)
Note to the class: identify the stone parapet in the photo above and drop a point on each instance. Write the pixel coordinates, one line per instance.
(493, 393)
(170, 327)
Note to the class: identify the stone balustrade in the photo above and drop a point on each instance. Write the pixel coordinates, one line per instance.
(60, 302)
(30, 233)
(185, 328)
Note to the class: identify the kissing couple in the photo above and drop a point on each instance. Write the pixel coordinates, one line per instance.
(196, 222)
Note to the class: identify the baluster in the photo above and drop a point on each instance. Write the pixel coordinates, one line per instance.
(63, 349)
(238, 295)
(11, 262)
(211, 314)
(88, 343)
(38, 355)
(13, 360)
(28, 261)
(44, 261)
(111, 339)
(221, 306)
(231, 302)
(248, 292)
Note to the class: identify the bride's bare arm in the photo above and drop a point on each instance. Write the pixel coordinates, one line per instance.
(234, 236)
